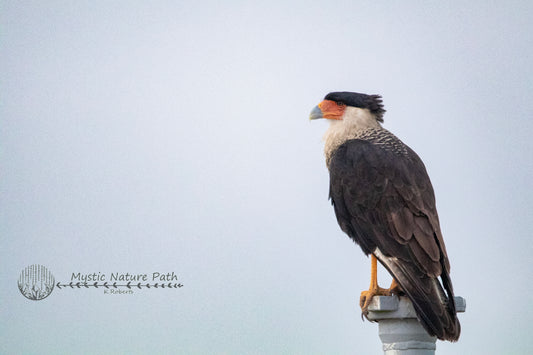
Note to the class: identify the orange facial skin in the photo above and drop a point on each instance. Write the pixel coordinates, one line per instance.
(331, 110)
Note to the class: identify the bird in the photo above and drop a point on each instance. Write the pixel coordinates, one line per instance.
(384, 201)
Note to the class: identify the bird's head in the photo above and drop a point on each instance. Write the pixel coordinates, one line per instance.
(345, 105)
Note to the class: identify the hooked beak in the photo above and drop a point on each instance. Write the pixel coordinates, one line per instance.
(316, 113)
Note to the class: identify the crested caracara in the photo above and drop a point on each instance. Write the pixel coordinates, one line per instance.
(384, 201)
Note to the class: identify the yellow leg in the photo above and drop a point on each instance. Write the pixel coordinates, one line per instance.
(395, 287)
(374, 289)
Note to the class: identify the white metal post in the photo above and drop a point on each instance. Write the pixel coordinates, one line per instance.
(399, 329)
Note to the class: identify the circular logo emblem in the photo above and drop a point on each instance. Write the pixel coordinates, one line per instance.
(36, 282)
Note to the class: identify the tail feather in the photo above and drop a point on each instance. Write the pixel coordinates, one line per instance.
(434, 306)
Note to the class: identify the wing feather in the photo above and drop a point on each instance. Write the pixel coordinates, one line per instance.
(385, 203)
(402, 220)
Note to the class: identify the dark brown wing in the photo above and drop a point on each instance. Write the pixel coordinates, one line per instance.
(384, 201)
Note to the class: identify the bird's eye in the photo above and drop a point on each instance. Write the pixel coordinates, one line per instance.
(339, 104)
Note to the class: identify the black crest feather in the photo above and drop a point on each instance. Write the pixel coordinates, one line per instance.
(373, 103)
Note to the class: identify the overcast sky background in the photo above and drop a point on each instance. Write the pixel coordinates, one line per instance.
(174, 136)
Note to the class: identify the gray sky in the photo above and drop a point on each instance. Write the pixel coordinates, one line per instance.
(163, 136)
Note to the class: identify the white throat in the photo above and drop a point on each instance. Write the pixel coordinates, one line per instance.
(354, 121)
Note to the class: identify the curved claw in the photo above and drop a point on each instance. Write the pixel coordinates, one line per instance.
(366, 297)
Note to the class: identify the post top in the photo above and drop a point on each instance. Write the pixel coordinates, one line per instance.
(394, 307)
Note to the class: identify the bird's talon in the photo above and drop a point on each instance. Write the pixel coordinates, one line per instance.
(367, 296)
